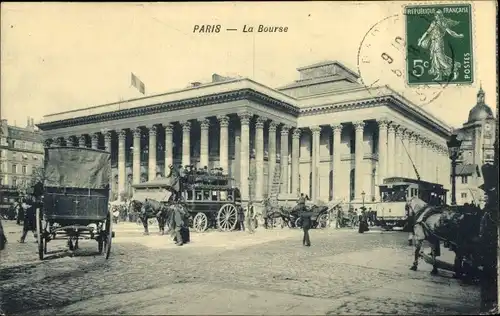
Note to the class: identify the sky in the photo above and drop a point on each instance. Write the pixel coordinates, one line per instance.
(63, 56)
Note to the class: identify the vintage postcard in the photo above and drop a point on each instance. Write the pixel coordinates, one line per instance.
(249, 158)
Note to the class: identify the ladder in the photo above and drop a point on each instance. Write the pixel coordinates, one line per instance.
(275, 187)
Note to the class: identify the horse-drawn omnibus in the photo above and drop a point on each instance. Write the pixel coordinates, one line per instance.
(396, 191)
(210, 197)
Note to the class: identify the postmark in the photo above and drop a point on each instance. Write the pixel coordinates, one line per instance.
(439, 44)
(382, 58)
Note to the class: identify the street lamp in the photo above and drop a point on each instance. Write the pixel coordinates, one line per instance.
(454, 153)
(363, 197)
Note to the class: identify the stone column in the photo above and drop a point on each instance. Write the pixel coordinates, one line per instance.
(271, 152)
(424, 174)
(82, 141)
(358, 159)
(434, 166)
(169, 160)
(337, 137)
(259, 158)
(382, 151)
(152, 153)
(224, 142)
(284, 159)
(316, 136)
(245, 154)
(122, 177)
(406, 153)
(69, 141)
(186, 143)
(412, 160)
(399, 158)
(107, 140)
(136, 159)
(391, 151)
(95, 141)
(295, 161)
(204, 136)
(418, 155)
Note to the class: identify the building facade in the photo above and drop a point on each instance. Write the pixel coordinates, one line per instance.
(478, 139)
(325, 135)
(21, 155)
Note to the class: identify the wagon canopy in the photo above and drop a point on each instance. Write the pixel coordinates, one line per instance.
(76, 167)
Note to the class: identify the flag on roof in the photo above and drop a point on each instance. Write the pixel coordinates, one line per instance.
(137, 83)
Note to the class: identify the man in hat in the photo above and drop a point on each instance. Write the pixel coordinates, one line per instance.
(29, 205)
(488, 239)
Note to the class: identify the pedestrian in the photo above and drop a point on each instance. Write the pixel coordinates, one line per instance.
(411, 226)
(250, 217)
(306, 225)
(363, 221)
(29, 205)
(340, 218)
(241, 218)
(19, 212)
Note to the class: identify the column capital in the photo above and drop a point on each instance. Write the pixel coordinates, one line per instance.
(401, 131)
(315, 129)
(223, 120)
(359, 125)
(260, 122)
(153, 129)
(204, 123)
(82, 140)
(383, 123)
(392, 128)
(337, 127)
(186, 126)
(137, 132)
(284, 130)
(107, 136)
(245, 117)
(58, 141)
(272, 126)
(70, 140)
(47, 142)
(169, 128)
(296, 133)
(95, 137)
(122, 134)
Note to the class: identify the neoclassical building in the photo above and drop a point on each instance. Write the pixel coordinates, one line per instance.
(325, 135)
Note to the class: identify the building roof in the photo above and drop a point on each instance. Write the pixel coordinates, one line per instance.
(467, 169)
(481, 110)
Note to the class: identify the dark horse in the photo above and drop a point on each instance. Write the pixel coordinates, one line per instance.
(272, 214)
(456, 227)
(150, 209)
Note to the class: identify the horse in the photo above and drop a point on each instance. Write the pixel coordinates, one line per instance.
(456, 227)
(271, 213)
(152, 208)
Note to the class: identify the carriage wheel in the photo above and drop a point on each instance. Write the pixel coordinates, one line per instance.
(227, 217)
(298, 223)
(107, 236)
(200, 222)
(322, 220)
(42, 243)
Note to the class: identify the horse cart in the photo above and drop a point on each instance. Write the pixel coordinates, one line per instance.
(75, 199)
(320, 216)
(209, 197)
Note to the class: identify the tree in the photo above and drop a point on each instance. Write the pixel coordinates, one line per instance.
(35, 183)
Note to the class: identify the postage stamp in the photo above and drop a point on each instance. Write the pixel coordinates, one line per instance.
(439, 44)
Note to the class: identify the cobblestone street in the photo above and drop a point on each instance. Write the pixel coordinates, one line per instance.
(343, 272)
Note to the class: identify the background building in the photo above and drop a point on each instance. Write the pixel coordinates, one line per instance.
(325, 135)
(478, 138)
(21, 157)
